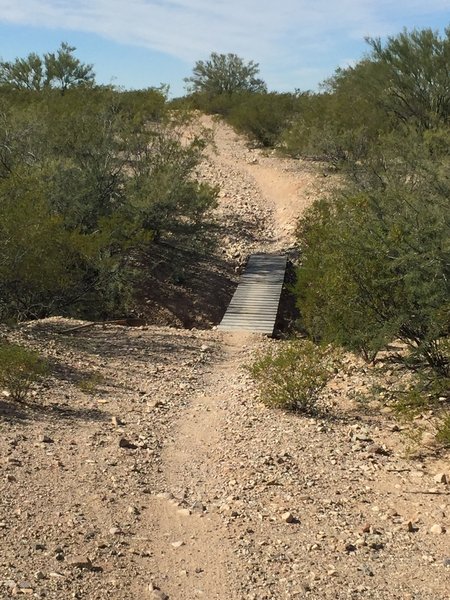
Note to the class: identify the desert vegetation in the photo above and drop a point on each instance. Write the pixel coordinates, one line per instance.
(375, 253)
(90, 177)
(168, 459)
(93, 178)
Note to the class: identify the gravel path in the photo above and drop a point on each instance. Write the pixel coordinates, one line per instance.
(147, 467)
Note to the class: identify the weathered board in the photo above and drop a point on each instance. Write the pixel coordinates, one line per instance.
(254, 305)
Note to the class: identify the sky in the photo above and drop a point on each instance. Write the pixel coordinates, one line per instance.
(137, 44)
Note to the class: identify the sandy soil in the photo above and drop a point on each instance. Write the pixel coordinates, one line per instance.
(146, 467)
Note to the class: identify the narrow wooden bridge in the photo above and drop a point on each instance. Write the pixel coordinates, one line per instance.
(254, 305)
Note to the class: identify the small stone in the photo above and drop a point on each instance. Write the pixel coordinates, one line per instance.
(115, 531)
(184, 512)
(204, 348)
(198, 507)
(288, 517)
(361, 542)
(133, 510)
(441, 478)
(366, 569)
(45, 439)
(418, 474)
(80, 562)
(165, 495)
(437, 528)
(39, 575)
(24, 585)
(411, 527)
(446, 562)
(117, 422)
(178, 544)
(376, 449)
(152, 404)
(124, 443)
(157, 593)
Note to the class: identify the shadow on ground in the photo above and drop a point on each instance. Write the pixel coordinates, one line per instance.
(288, 313)
(11, 412)
(184, 288)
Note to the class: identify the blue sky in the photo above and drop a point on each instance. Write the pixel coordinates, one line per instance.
(142, 43)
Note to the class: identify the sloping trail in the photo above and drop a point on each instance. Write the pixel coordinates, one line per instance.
(198, 561)
(284, 187)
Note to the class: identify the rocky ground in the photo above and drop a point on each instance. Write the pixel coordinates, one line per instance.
(146, 467)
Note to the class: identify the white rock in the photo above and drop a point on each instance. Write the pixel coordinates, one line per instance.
(288, 517)
(437, 528)
(441, 478)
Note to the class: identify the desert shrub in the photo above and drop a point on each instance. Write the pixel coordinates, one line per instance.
(443, 430)
(375, 268)
(263, 117)
(224, 75)
(408, 404)
(291, 374)
(215, 105)
(19, 369)
(401, 81)
(89, 385)
(89, 180)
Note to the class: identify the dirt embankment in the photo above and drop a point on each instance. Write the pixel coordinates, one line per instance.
(147, 468)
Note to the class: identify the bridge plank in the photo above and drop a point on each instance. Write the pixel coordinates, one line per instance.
(254, 305)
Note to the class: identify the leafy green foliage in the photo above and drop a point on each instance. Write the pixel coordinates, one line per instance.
(224, 74)
(89, 385)
(376, 256)
(343, 121)
(23, 73)
(19, 369)
(375, 268)
(89, 180)
(61, 70)
(292, 374)
(262, 117)
(411, 403)
(403, 82)
(443, 431)
(64, 71)
(417, 77)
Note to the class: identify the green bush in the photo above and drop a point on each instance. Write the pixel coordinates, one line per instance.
(411, 403)
(89, 385)
(89, 181)
(375, 267)
(263, 116)
(443, 431)
(291, 374)
(19, 369)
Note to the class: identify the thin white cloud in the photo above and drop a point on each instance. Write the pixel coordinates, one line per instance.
(187, 28)
(264, 30)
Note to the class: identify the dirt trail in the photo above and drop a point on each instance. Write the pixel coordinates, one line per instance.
(203, 560)
(280, 189)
